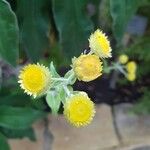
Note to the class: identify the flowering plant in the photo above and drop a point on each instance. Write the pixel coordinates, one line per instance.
(125, 67)
(37, 80)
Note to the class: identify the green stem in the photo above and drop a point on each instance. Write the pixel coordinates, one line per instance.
(116, 66)
(120, 68)
(59, 79)
(66, 90)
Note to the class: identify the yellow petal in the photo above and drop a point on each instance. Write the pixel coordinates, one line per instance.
(35, 79)
(131, 67)
(87, 67)
(79, 109)
(131, 76)
(99, 44)
(123, 59)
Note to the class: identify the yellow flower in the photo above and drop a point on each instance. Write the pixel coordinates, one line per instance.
(131, 76)
(99, 44)
(87, 67)
(131, 67)
(35, 79)
(79, 109)
(123, 59)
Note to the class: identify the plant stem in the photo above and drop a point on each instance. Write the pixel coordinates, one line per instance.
(59, 79)
(66, 90)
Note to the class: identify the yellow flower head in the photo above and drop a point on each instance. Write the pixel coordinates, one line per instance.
(131, 67)
(99, 44)
(87, 67)
(79, 109)
(35, 79)
(123, 59)
(131, 76)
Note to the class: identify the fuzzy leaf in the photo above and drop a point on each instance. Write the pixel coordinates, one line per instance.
(70, 76)
(53, 71)
(62, 94)
(53, 99)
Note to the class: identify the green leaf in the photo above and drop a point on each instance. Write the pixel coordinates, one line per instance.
(3, 143)
(18, 133)
(54, 75)
(53, 99)
(9, 39)
(73, 25)
(18, 118)
(70, 75)
(62, 93)
(34, 26)
(121, 12)
(53, 71)
(39, 103)
(15, 99)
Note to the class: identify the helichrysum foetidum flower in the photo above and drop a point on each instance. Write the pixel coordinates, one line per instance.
(131, 76)
(123, 59)
(99, 44)
(131, 70)
(87, 67)
(131, 67)
(79, 109)
(35, 79)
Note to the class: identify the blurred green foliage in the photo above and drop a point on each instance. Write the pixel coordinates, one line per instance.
(121, 12)
(140, 51)
(34, 23)
(144, 106)
(9, 34)
(56, 30)
(73, 24)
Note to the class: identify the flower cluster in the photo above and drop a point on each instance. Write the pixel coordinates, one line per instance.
(88, 67)
(130, 67)
(37, 80)
(131, 70)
